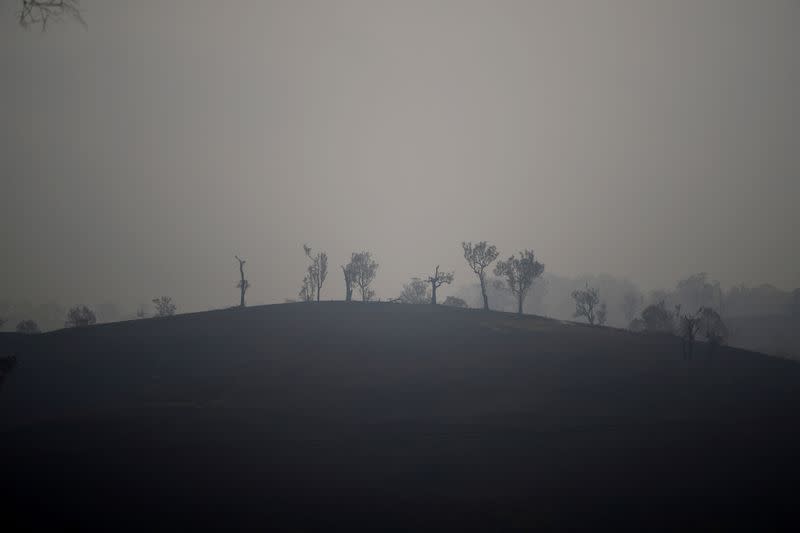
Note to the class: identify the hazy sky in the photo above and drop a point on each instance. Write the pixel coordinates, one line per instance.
(648, 139)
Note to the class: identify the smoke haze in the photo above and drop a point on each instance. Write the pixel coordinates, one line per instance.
(646, 140)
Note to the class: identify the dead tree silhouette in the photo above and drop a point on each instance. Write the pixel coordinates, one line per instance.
(243, 284)
(437, 280)
(519, 273)
(479, 257)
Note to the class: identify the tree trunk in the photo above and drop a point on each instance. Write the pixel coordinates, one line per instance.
(348, 286)
(483, 293)
(243, 288)
(433, 294)
(519, 304)
(319, 289)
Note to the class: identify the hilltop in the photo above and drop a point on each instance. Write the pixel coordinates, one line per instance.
(389, 415)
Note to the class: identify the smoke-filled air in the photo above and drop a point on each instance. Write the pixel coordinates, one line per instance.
(364, 250)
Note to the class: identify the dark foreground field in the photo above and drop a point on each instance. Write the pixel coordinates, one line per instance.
(389, 416)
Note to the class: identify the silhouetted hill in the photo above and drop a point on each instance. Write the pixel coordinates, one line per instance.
(384, 415)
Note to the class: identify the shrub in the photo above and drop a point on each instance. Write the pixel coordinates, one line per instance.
(78, 316)
(454, 301)
(164, 306)
(28, 327)
(415, 291)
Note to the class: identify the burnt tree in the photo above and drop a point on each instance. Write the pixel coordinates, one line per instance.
(437, 280)
(243, 284)
(479, 256)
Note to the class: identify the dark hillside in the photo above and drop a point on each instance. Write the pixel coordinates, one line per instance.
(389, 415)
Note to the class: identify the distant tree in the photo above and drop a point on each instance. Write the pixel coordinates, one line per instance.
(585, 302)
(363, 270)
(602, 314)
(28, 327)
(437, 280)
(78, 316)
(657, 318)
(631, 302)
(712, 328)
(688, 327)
(164, 306)
(698, 291)
(307, 290)
(3, 322)
(415, 292)
(349, 277)
(519, 273)
(40, 12)
(140, 312)
(479, 256)
(317, 270)
(243, 284)
(453, 301)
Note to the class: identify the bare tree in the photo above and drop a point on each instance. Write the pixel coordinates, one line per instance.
(317, 270)
(40, 12)
(415, 292)
(307, 290)
(519, 273)
(363, 270)
(164, 306)
(585, 302)
(140, 312)
(479, 257)
(437, 280)
(243, 284)
(80, 316)
(349, 277)
(688, 327)
(712, 328)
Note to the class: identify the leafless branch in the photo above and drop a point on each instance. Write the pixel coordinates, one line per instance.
(41, 12)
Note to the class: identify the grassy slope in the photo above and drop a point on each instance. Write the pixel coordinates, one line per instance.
(331, 411)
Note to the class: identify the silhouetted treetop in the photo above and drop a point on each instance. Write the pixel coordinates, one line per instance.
(585, 302)
(80, 315)
(479, 256)
(519, 273)
(363, 269)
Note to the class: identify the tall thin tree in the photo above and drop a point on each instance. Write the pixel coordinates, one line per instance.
(348, 281)
(317, 270)
(479, 256)
(243, 284)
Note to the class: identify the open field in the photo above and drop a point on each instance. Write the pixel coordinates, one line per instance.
(387, 415)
